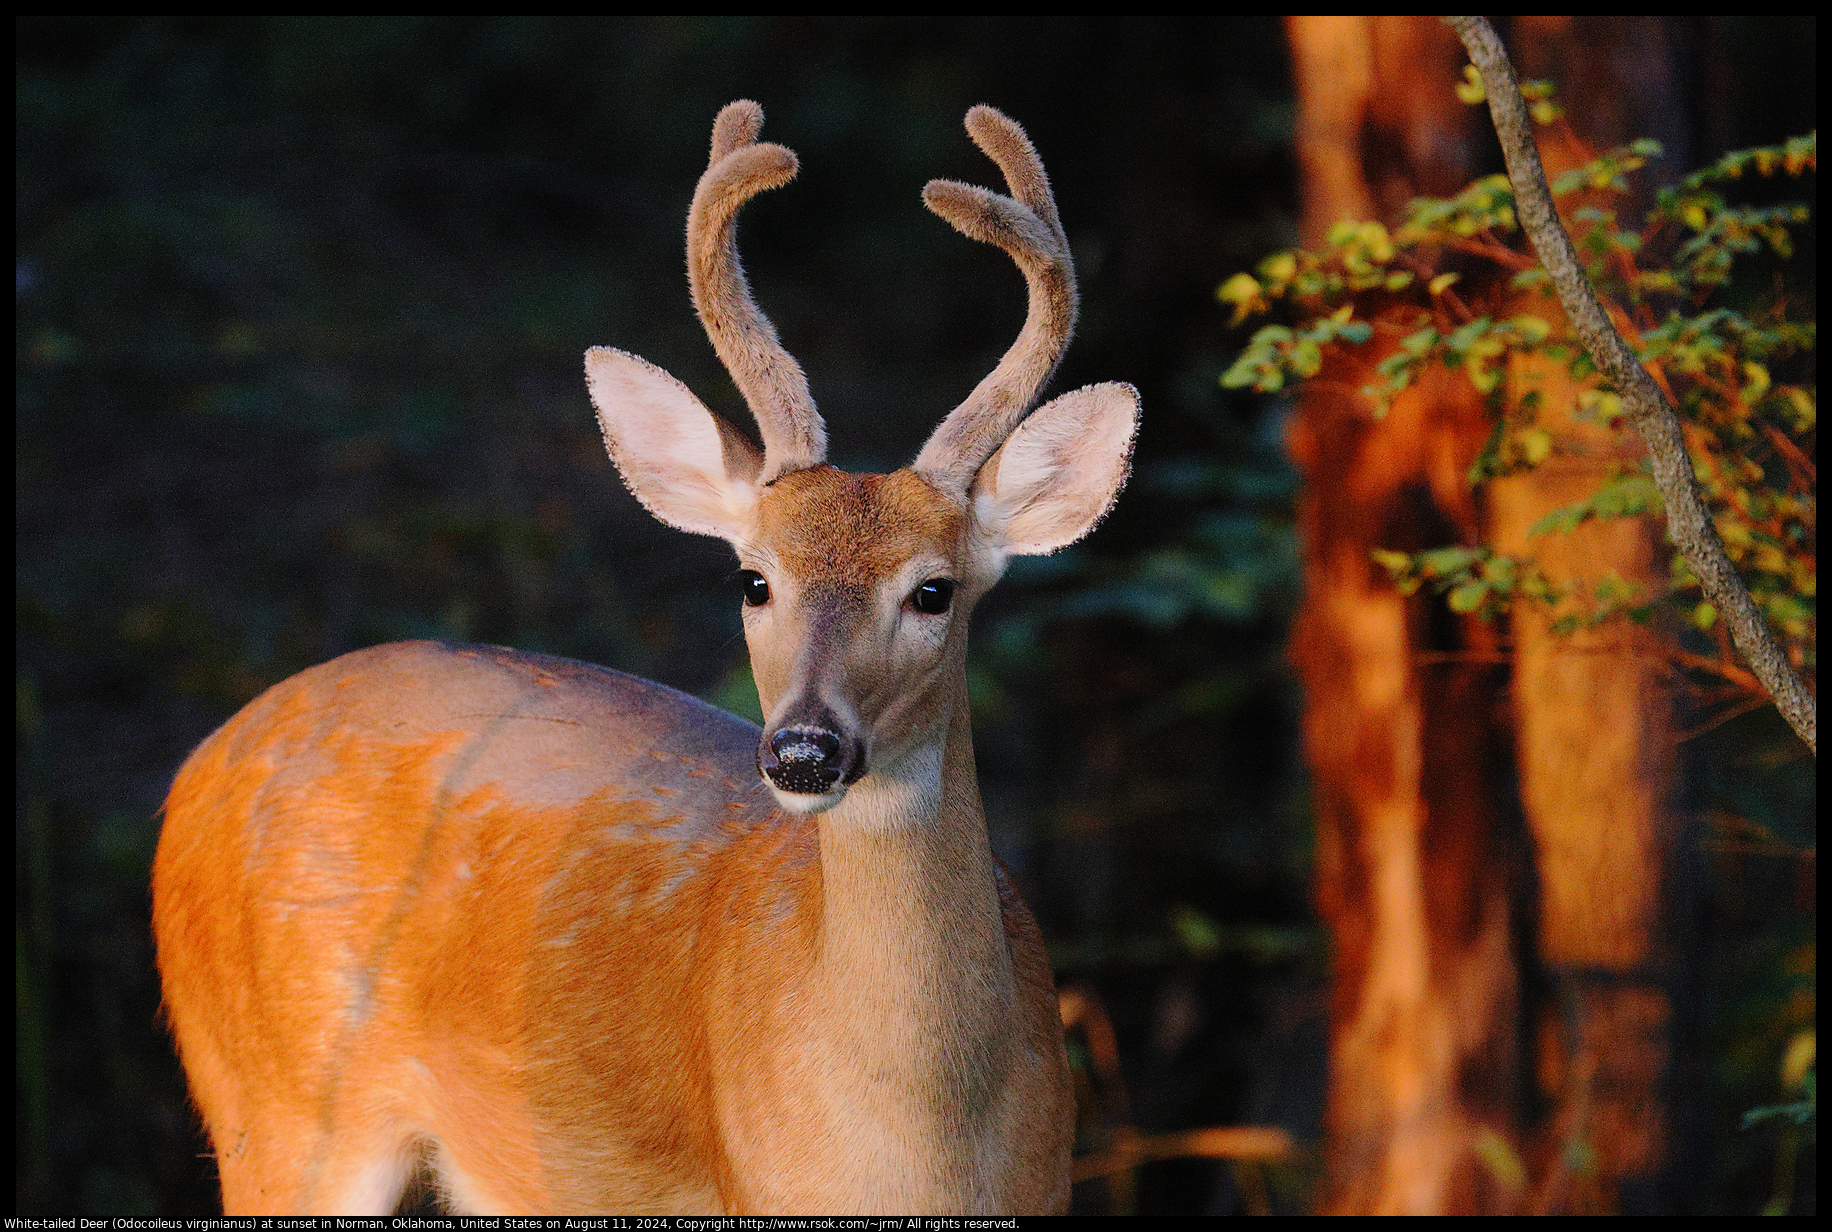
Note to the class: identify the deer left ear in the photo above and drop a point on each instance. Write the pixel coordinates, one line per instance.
(1056, 476)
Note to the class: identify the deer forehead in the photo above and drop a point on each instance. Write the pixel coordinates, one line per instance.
(829, 527)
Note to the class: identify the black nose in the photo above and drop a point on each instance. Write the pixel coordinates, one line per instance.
(806, 760)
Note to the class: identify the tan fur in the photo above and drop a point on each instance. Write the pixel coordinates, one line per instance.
(546, 927)
(475, 899)
(831, 526)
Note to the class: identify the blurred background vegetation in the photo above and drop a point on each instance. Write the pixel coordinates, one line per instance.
(301, 305)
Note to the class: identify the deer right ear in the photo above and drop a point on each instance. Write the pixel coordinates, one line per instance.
(687, 466)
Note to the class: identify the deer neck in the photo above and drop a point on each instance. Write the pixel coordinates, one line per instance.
(912, 942)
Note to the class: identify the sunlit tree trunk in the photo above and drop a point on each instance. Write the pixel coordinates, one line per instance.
(1594, 716)
(1594, 744)
(1411, 834)
(1481, 808)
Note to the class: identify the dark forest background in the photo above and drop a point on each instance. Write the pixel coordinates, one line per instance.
(301, 311)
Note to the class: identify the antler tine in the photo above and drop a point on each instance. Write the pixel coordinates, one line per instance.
(769, 378)
(1029, 231)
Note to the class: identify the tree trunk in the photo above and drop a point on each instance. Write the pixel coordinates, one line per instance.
(1594, 709)
(1431, 742)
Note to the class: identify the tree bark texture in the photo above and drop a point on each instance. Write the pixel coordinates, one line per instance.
(1492, 814)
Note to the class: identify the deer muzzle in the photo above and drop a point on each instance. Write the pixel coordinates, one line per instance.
(810, 760)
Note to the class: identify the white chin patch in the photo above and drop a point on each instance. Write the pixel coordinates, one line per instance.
(801, 802)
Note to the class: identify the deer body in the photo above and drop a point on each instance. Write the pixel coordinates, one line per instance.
(558, 873)
(581, 943)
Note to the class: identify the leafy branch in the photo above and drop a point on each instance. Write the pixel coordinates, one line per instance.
(1653, 416)
(1452, 286)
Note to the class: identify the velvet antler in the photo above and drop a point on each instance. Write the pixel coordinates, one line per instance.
(769, 378)
(1025, 225)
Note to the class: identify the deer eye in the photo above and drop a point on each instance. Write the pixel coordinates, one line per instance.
(756, 589)
(933, 596)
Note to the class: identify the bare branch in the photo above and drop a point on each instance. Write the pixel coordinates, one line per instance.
(1653, 416)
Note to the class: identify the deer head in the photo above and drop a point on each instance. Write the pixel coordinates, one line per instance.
(857, 587)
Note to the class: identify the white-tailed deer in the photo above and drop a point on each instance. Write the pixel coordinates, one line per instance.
(577, 942)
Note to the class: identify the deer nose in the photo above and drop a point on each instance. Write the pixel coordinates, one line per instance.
(810, 760)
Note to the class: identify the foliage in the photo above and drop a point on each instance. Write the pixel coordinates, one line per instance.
(1705, 293)
(1455, 286)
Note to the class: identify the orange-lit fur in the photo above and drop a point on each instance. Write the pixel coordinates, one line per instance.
(471, 901)
(547, 928)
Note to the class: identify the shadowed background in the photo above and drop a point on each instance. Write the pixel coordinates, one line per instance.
(301, 312)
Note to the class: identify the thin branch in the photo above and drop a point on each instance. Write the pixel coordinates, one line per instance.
(1489, 248)
(1266, 1143)
(1798, 464)
(1730, 672)
(1688, 522)
(1734, 711)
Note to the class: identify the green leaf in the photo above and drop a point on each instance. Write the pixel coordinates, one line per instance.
(1626, 495)
(1241, 374)
(1757, 381)
(1498, 572)
(1375, 240)
(1799, 1113)
(1306, 357)
(1463, 338)
(1279, 267)
(1468, 597)
(1470, 90)
(1240, 289)
(1535, 445)
(1342, 233)
(1439, 562)
(1196, 931)
(1534, 329)
(1496, 1152)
